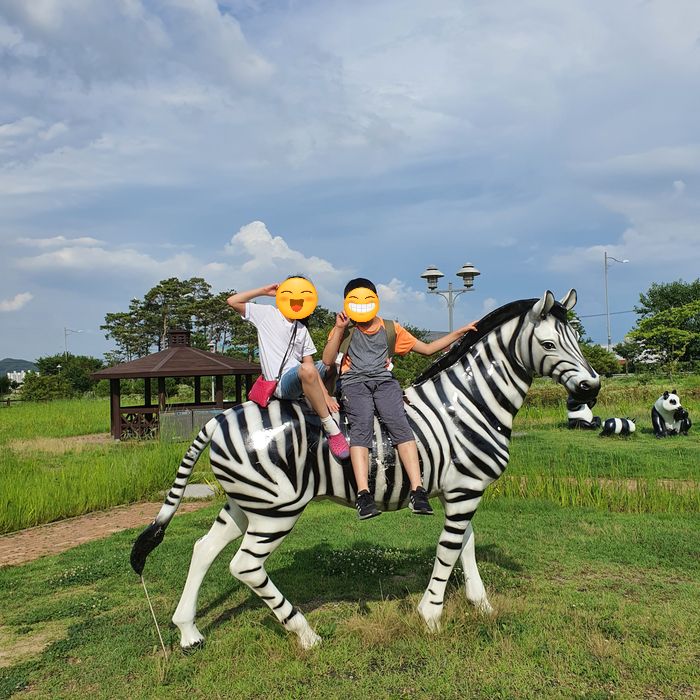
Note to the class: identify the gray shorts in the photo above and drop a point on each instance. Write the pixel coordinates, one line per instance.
(360, 401)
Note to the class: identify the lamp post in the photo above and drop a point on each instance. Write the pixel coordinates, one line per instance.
(606, 263)
(431, 275)
(66, 331)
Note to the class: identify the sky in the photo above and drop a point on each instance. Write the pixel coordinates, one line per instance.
(246, 140)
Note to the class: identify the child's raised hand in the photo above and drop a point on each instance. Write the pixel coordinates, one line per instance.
(270, 290)
(469, 327)
(341, 320)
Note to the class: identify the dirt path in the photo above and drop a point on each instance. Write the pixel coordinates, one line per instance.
(27, 545)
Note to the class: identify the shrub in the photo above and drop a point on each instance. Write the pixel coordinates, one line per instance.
(45, 388)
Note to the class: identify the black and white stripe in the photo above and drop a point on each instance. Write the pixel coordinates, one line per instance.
(272, 462)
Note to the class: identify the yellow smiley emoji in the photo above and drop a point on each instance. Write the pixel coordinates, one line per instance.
(296, 298)
(361, 304)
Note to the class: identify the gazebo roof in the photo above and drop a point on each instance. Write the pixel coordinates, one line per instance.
(178, 361)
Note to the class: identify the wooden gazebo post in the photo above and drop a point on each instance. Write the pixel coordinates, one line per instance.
(219, 391)
(161, 393)
(114, 402)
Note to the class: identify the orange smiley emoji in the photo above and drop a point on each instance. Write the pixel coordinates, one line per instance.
(296, 298)
(361, 304)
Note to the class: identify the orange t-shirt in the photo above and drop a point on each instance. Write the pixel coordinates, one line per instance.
(404, 340)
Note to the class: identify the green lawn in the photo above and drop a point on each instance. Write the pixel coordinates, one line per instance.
(589, 605)
(39, 484)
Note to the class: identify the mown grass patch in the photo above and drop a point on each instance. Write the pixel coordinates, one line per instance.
(588, 605)
(53, 419)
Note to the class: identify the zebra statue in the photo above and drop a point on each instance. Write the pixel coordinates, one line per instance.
(272, 462)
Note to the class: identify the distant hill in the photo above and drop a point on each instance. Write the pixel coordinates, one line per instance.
(10, 365)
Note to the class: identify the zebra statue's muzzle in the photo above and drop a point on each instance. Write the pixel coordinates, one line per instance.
(586, 389)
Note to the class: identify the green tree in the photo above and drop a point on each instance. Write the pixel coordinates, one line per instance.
(171, 304)
(632, 351)
(128, 331)
(213, 322)
(667, 295)
(74, 369)
(602, 361)
(4, 384)
(663, 298)
(671, 333)
(38, 387)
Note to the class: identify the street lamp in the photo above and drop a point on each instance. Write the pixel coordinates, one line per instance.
(66, 331)
(432, 275)
(606, 263)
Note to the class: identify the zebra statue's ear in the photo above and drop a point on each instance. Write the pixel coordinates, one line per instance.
(542, 307)
(569, 301)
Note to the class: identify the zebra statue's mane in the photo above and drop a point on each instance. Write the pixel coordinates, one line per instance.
(488, 323)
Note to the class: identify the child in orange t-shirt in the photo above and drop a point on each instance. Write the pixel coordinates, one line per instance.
(367, 384)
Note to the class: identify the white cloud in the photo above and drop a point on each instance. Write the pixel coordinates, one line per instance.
(252, 258)
(17, 302)
(482, 129)
(398, 292)
(488, 305)
(55, 241)
(105, 262)
(271, 254)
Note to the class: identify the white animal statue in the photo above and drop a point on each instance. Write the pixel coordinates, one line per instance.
(580, 415)
(668, 417)
(618, 426)
(272, 462)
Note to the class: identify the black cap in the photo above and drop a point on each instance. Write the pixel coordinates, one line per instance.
(359, 282)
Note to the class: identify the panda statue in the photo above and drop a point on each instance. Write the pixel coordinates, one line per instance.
(668, 417)
(580, 414)
(618, 426)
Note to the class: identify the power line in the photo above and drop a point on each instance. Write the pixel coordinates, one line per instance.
(612, 313)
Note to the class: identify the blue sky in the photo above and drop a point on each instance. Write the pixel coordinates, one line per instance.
(246, 140)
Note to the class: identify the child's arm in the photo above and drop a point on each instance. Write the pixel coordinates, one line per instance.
(441, 343)
(240, 299)
(330, 352)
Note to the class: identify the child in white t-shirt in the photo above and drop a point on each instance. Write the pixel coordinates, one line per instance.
(300, 375)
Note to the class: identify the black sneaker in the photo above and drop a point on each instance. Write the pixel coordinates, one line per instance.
(366, 507)
(418, 502)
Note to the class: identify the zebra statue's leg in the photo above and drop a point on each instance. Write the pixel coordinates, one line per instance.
(450, 545)
(476, 593)
(230, 524)
(263, 536)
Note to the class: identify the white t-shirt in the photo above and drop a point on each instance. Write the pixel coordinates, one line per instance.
(274, 333)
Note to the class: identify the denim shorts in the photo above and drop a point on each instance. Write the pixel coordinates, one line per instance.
(290, 382)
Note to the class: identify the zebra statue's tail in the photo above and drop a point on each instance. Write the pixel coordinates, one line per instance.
(153, 535)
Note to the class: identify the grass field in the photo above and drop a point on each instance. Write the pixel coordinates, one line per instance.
(47, 473)
(589, 605)
(588, 548)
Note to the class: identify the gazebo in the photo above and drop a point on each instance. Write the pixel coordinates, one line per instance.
(179, 360)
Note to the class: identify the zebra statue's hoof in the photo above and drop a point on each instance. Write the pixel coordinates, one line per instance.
(193, 648)
(309, 639)
(430, 614)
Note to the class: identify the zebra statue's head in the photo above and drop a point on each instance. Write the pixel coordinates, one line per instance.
(551, 349)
